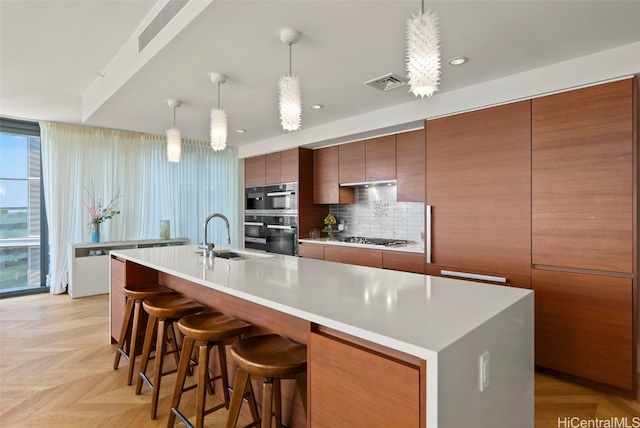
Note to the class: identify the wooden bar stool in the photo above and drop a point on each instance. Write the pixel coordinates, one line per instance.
(207, 330)
(270, 357)
(127, 342)
(163, 312)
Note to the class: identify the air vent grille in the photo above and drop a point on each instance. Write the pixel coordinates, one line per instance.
(168, 12)
(387, 82)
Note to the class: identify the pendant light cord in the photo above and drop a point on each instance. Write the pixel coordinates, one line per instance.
(422, 7)
(218, 96)
(289, 59)
(174, 117)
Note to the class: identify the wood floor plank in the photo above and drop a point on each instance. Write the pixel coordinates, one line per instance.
(56, 371)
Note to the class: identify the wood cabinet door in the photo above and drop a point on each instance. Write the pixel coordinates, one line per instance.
(380, 155)
(254, 171)
(351, 162)
(341, 374)
(584, 326)
(406, 262)
(312, 251)
(272, 168)
(410, 147)
(353, 256)
(117, 297)
(478, 182)
(289, 165)
(326, 189)
(583, 185)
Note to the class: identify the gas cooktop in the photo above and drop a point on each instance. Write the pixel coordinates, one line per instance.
(371, 241)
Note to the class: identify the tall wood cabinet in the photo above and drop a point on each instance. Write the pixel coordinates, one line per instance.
(584, 252)
(410, 147)
(478, 191)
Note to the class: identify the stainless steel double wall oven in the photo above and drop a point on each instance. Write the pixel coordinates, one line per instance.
(271, 218)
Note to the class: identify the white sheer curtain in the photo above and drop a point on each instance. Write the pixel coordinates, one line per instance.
(75, 157)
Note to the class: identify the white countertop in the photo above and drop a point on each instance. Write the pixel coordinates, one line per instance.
(416, 314)
(411, 247)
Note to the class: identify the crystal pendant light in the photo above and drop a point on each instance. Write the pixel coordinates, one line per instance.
(423, 53)
(174, 140)
(290, 100)
(218, 128)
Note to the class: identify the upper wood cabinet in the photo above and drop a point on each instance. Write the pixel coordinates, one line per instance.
(281, 167)
(255, 171)
(326, 188)
(368, 160)
(583, 178)
(272, 167)
(380, 158)
(478, 184)
(351, 162)
(290, 165)
(410, 147)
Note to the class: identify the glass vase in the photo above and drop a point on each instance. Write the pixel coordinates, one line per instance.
(95, 232)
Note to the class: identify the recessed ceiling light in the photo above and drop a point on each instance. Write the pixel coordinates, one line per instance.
(459, 60)
(241, 131)
(317, 106)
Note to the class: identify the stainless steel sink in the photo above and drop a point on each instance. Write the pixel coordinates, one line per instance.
(229, 255)
(236, 255)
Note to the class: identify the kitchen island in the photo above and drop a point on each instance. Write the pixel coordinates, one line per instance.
(408, 349)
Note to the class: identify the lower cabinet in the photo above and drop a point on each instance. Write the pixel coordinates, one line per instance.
(407, 262)
(312, 251)
(339, 373)
(353, 256)
(584, 326)
(394, 260)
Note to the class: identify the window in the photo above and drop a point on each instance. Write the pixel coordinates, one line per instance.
(22, 225)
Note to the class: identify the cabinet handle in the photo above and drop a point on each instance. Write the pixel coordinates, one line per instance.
(253, 223)
(255, 240)
(270, 226)
(281, 193)
(427, 226)
(467, 275)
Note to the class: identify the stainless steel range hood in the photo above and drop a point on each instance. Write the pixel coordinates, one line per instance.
(369, 183)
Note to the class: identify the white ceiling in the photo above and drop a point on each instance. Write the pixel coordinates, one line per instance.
(53, 52)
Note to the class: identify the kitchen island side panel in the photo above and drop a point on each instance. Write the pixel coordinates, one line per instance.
(508, 400)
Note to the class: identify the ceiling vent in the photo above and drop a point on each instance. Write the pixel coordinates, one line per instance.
(387, 82)
(168, 12)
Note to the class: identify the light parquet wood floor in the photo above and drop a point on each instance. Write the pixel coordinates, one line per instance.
(56, 371)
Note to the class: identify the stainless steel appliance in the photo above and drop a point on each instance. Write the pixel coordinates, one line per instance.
(255, 232)
(271, 218)
(255, 199)
(282, 234)
(371, 241)
(282, 198)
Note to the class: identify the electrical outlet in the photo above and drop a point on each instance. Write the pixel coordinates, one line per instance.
(483, 371)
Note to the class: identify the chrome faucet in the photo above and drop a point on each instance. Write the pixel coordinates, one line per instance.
(209, 246)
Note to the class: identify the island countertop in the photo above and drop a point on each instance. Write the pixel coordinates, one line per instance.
(445, 323)
(393, 309)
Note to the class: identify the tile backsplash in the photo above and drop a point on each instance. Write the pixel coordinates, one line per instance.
(376, 214)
